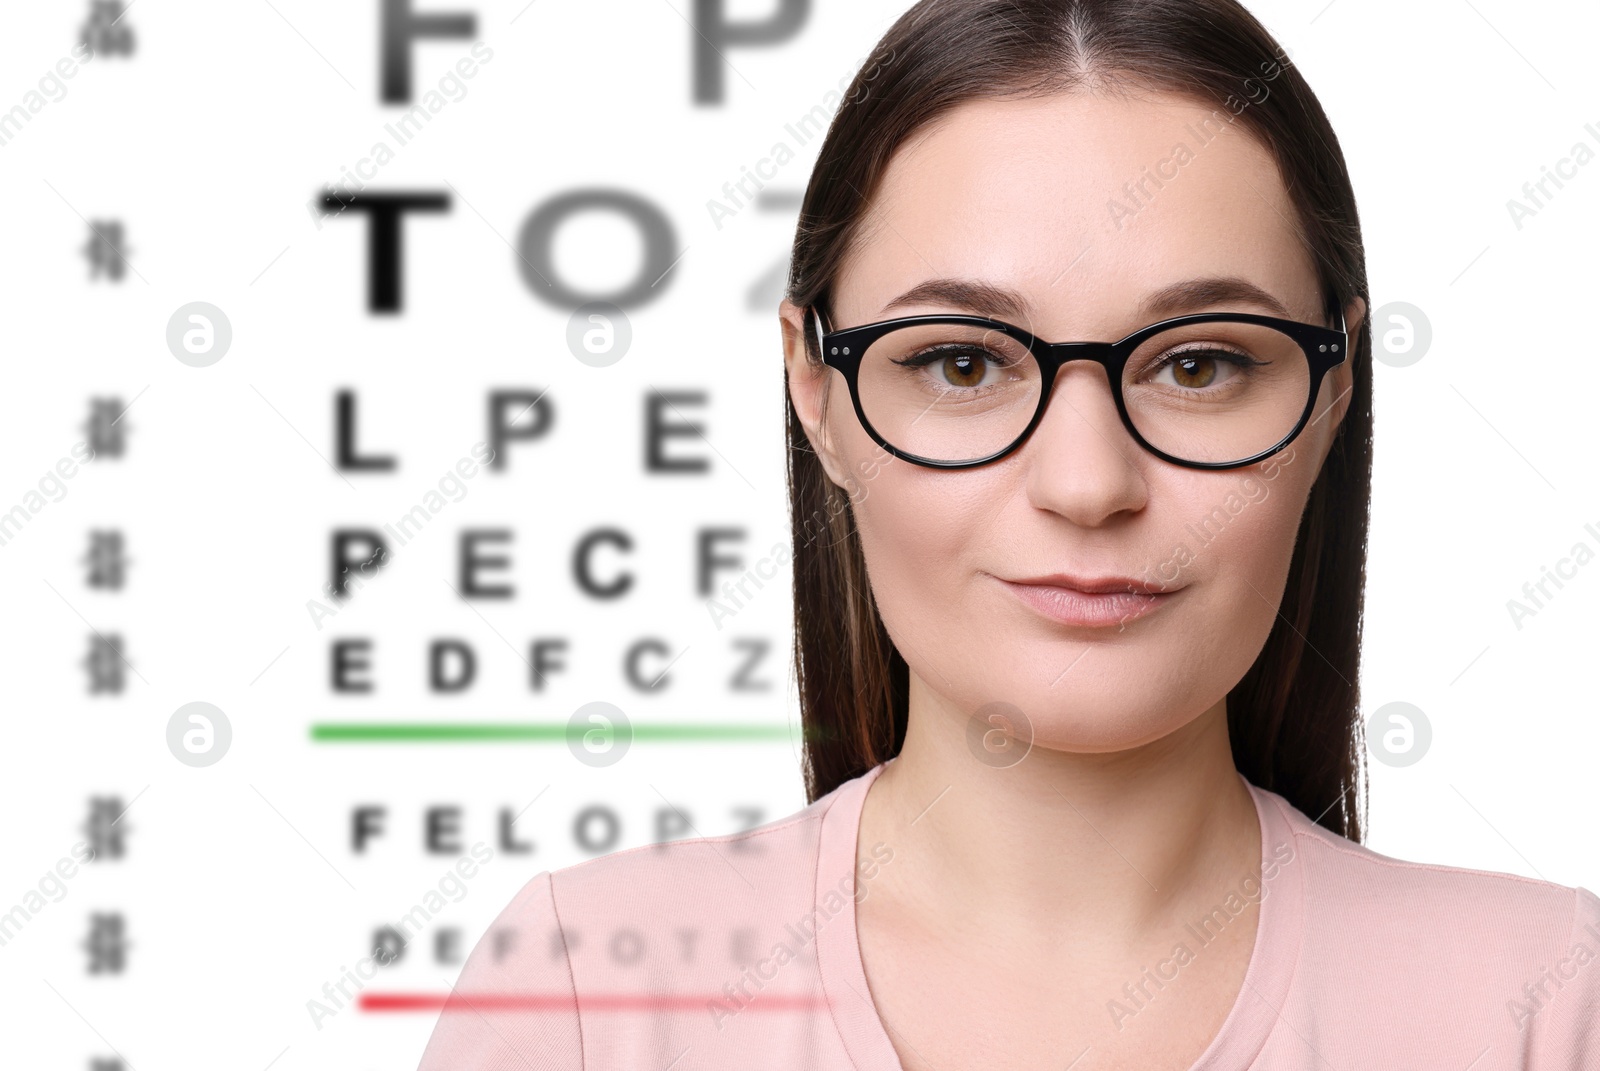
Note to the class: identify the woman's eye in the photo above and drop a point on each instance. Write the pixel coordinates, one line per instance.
(961, 369)
(1202, 369)
(965, 370)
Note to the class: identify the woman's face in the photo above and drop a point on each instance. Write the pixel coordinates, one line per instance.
(1021, 196)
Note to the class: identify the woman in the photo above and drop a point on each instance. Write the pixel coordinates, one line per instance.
(1077, 626)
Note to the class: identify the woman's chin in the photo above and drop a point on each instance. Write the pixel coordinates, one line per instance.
(1000, 732)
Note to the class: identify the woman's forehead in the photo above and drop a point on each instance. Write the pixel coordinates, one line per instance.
(1079, 198)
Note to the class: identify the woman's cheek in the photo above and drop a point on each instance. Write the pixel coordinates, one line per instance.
(902, 546)
(1248, 572)
(916, 552)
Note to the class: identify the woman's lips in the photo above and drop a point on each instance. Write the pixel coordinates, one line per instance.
(1068, 606)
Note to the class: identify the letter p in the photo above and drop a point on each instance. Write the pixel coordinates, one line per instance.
(713, 33)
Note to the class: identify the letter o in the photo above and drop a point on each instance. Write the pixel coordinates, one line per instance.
(580, 829)
(536, 243)
(635, 944)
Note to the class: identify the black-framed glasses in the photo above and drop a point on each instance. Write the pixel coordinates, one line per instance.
(1212, 390)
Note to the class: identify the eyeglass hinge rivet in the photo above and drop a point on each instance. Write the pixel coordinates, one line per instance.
(847, 349)
(836, 349)
(1322, 349)
(1335, 347)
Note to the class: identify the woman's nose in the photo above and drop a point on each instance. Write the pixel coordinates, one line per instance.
(1082, 463)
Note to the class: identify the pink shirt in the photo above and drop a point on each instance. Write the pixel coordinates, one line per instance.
(740, 952)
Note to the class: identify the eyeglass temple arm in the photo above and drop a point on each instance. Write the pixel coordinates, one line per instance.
(817, 314)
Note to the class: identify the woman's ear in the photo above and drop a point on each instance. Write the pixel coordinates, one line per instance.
(808, 385)
(1355, 320)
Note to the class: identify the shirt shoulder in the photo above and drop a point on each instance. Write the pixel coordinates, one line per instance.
(511, 1007)
(1346, 875)
(1383, 936)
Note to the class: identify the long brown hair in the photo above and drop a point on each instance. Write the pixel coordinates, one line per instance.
(1294, 716)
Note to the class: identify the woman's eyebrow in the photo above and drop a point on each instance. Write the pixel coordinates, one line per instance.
(1202, 292)
(987, 299)
(984, 299)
